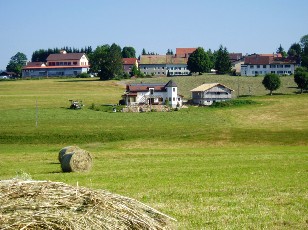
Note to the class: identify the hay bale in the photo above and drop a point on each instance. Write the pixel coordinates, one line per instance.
(78, 161)
(55, 205)
(65, 150)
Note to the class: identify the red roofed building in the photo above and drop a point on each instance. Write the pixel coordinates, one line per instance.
(62, 64)
(267, 63)
(184, 52)
(128, 64)
(149, 93)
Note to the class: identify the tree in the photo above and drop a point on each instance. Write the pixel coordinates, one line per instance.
(301, 78)
(281, 51)
(271, 82)
(199, 62)
(128, 52)
(107, 61)
(135, 71)
(222, 62)
(16, 63)
(295, 50)
(143, 52)
(169, 52)
(304, 41)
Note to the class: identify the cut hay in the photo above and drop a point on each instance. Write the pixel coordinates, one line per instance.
(55, 205)
(78, 161)
(67, 149)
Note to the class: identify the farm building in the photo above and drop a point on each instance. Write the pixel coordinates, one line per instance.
(155, 94)
(62, 64)
(206, 94)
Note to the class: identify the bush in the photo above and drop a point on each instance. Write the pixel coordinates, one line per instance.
(83, 75)
(229, 103)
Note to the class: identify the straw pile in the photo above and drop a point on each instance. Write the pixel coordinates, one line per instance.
(67, 149)
(55, 205)
(75, 159)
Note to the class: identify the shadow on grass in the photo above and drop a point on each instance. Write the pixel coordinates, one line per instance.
(79, 80)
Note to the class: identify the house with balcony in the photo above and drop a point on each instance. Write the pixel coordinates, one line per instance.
(256, 64)
(208, 93)
(152, 94)
(62, 64)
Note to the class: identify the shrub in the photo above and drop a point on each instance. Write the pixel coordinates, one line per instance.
(83, 75)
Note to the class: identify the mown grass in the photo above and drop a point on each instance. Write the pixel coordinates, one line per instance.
(236, 167)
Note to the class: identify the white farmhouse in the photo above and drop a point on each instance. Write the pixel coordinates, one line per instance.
(206, 94)
(154, 94)
(261, 64)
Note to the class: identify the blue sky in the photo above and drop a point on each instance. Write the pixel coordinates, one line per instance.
(247, 26)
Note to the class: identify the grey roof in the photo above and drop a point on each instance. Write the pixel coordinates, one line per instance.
(171, 84)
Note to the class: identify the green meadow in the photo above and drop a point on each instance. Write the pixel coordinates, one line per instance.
(243, 166)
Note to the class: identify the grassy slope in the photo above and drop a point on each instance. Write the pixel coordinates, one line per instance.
(243, 167)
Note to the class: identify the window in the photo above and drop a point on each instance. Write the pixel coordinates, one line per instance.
(173, 98)
(169, 98)
(151, 91)
(179, 99)
(273, 71)
(258, 66)
(264, 66)
(74, 63)
(287, 66)
(273, 66)
(173, 89)
(251, 66)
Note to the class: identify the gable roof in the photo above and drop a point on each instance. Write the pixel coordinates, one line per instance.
(129, 61)
(65, 56)
(184, 52)
(143, 87)
(153, 59)
(258, 60)
(235, 56)
(35, 64)
(207, 86)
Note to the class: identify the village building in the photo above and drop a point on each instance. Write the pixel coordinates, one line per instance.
(208, 93)
(256, 64)
(62, 64)
(128, 64)
(153, 94)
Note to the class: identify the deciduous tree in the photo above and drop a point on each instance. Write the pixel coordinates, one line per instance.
(271, 82)
(199, 61)
(16, 63)
(128, 52)
(301, 78)
(106, 61)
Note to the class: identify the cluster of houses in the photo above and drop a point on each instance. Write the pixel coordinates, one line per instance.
(72, 64)
(167, 94)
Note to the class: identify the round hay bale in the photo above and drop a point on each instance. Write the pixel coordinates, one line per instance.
(78, 161)
(54, 205)
(67, 149)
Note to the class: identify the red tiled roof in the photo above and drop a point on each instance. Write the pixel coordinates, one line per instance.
(235, 56)
(56, 67)
(257, 60)
(144, 87)
(66, 56)
(129, 61)
(183, 51)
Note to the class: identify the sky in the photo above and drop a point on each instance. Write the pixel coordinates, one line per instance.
(244, 26)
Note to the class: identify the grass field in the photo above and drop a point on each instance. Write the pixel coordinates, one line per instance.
(242, 167)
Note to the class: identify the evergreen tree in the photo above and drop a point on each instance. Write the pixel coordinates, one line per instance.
(222, 62)
(143, 52)
(281, 51)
